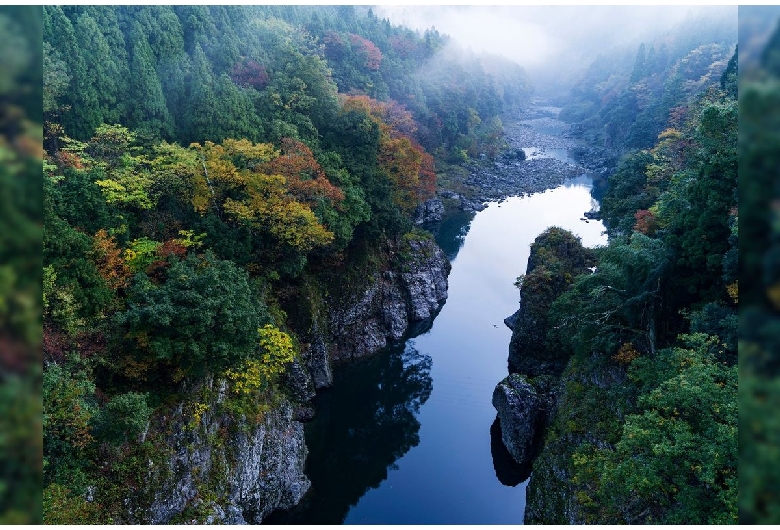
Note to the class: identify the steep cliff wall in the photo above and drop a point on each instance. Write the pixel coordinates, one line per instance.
(528, 401)
(213, 465)
(589, 404)
(226, 469)
(410, 292)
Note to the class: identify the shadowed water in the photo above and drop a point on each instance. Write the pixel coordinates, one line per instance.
(405, 437)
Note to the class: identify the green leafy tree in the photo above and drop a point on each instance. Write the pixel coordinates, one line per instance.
(123, 418)
(277, 351)
(676, 461)
(203, 318)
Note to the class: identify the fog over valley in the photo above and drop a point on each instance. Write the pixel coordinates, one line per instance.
(557, 43)
(336, 264)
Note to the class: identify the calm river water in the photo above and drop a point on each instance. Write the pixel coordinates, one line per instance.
(404, 437)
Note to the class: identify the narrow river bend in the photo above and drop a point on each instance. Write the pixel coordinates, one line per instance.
(404, 437)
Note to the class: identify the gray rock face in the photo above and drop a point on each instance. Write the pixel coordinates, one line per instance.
(431, 211)
(523, 409)
(511, 320)
(551, 495)
(426, 281)
(318, 359)
(237, 474)
(394, 300)
(298, 379)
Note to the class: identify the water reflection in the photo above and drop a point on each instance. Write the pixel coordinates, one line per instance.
(451, 232)
(508, 471)
(350, 454)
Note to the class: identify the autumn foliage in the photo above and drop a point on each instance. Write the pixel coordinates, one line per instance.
(645, 222)
(109, 261)
(274, 193)
(372, 54)
(249, 73)
(409, 167)
(305, 177)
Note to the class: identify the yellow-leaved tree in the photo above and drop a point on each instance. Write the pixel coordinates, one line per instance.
(276, 352)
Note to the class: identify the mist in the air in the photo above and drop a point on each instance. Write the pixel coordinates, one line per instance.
(555, 44)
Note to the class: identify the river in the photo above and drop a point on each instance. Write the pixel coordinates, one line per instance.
(405, 437)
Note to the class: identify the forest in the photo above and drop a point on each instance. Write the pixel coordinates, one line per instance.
(216, 177)
(645, 341)
(204, 165)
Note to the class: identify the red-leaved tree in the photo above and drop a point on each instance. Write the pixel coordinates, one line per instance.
(249, 73)
(372, 54)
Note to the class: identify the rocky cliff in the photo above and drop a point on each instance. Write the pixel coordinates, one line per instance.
(527, 400)
(553, 402)
(393, 301)
(215, 466)
(556, 257)
(225, 469)
(589, 404)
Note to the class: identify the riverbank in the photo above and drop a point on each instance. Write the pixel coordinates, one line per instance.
(551, 158)
(413, 426)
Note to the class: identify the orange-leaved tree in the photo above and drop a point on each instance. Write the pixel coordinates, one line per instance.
(408, 166)
(238, 178)
(305, 177)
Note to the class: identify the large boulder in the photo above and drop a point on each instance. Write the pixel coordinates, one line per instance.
(523, 407)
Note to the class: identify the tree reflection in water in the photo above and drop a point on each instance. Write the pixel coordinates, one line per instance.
(350, 453)
(451, 232)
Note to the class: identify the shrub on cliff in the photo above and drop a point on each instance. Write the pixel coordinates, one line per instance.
(202, 319)
(557, 258)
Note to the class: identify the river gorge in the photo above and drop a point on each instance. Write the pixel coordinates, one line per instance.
(407, 436)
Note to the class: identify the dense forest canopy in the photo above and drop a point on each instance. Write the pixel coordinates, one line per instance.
(209, 169)
(203, 165)
(197, 73)
(624, 98)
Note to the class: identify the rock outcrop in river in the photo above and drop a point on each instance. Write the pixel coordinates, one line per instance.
(556, 257)
(525, 400)
(523, 407)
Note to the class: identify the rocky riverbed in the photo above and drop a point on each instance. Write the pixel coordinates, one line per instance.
(508, 175)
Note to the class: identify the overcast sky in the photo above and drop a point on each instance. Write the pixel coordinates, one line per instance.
(534, 36)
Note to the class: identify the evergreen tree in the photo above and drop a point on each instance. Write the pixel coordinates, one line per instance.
(102, 74)
(200, 112)
(639, 65)
(150, 113)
